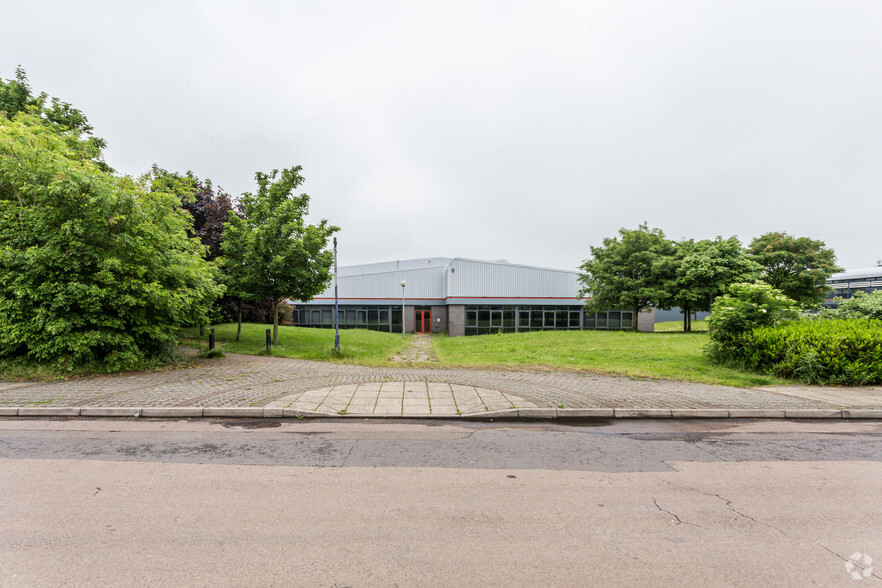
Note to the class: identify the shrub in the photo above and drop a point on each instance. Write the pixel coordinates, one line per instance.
(863, 305)
(845, 352)
(744, 308)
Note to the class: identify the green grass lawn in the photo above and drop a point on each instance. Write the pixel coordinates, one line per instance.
(672, 356)
(356, 345)
(669, 326)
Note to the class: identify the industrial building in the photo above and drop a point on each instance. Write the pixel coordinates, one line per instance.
(459, 296)
(847, 283)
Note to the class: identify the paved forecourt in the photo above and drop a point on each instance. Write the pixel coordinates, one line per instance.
(241, 381)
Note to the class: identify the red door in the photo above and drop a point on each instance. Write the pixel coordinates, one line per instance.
(422, 321)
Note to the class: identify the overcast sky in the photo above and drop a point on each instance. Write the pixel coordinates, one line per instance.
(492, 130)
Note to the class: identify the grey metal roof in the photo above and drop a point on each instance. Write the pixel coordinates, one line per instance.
(457, 280)
(858, 274)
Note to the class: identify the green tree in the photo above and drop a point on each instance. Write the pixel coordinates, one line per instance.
(798, 266)
(16, 96)
(704, 270)
(94, 268)
(270, 251)
(630, 271)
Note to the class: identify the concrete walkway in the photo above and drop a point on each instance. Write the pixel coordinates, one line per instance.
(241, 385)
(419, 349)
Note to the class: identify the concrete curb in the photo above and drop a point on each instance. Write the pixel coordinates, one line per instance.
(183, 412)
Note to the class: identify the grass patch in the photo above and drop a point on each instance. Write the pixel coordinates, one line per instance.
(22, 370)
(356, 345)
(669, 326)
(671, 356)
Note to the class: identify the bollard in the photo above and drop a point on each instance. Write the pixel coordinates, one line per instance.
(268, 341)
(211, 339)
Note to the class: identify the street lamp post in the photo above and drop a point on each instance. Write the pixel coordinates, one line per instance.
(403, 284)
(336, 304)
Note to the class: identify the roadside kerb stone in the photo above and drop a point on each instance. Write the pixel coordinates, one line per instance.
(298, 413)
(49, 411)
(511, 413)
(175, 412)
(8, 411)
(110, 411)
(270, 412)
(813, 414)
(861, 414)
(643, 413)
(585, 413)
(753, 413)
(537, 413)
(699, 413)
(251, 412)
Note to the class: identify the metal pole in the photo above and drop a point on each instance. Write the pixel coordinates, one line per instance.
(336, 304)
(403, 284)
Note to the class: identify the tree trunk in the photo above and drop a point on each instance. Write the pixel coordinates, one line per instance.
(634, 320)
(685, 319)
(275, 321)
(239, 327)
(690, 321)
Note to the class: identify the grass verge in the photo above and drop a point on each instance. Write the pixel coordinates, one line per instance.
(671, 356)
(21, 370)
(677, 326)
(356, 345)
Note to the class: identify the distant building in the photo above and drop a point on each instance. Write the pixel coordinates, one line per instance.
(460, 296)
(845, 284)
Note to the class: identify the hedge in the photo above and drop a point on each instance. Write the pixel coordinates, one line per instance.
(844, 352)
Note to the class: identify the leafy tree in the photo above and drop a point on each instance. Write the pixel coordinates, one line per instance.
(17, 97)
(94, 268)
(270, 251)
(704, 270)
(798, 266)
(209, 207)
(630, 271)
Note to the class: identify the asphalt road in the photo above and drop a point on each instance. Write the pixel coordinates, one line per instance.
(112, 502)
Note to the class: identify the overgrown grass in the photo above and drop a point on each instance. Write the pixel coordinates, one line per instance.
(672, 356)
(14, 370)
(356, 345)
(671, 326)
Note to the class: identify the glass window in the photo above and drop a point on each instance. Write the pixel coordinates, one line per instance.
(495, 319)
(327, 318)
(601, 320)
(373, 317)
(384, 317)
(549, 319)
(574, 319)
(614, 320)
(590, 320)
(523, 319)
(484, 319)
(627, 320)
(315, 317)
(361, 317)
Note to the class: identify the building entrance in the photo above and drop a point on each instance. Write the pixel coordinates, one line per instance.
(422, 322)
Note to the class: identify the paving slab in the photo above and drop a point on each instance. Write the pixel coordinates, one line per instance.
(261, 383)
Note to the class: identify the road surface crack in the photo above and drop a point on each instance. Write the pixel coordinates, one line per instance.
(846, 560)
(678, 520)
(728, 505)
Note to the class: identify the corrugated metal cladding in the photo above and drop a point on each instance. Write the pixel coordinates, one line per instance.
(481, 279)
(393, 266)
(456, 281)
(426, 283)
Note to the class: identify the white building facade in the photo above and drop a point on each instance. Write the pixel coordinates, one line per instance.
(460, 296)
